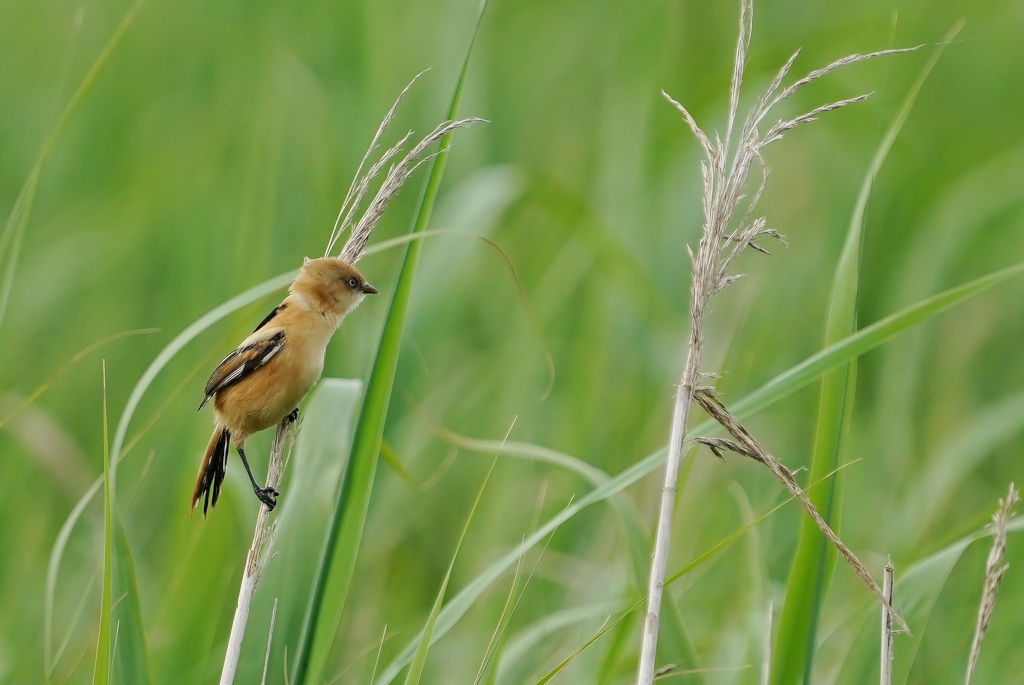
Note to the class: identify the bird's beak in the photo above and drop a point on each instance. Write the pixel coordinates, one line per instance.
(369, 289)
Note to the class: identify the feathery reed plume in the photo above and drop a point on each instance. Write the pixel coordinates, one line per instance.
(259, 552)
(885, 675)
(995, 569)
(393, 181)
(723, 239)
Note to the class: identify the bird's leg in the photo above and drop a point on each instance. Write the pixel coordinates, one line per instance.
(265, 495)
(293, 416)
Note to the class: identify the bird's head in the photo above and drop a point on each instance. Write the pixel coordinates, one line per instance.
(331, 285)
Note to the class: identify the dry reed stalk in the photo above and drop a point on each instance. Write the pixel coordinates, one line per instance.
(885, 676)
(722, 240)
(259, 552)
(995, 569)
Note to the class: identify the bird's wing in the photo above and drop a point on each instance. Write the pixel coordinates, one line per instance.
(247, 357)
(270, 316)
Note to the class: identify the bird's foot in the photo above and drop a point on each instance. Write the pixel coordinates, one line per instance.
(293, 417)
(268, 496)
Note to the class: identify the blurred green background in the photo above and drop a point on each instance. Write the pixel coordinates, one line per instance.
(212, 153)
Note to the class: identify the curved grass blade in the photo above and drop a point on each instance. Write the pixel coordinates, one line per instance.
(14, 230)
(101, 672)
(130, 661)
(532, 637)
(808, 580)
(327, 599)
(784, 384)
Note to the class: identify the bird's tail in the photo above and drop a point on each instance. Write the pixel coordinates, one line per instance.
(212, 470)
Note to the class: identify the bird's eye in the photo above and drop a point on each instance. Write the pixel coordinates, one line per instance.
(353, 282)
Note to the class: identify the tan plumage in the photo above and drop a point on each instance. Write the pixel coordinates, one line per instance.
(264, 378)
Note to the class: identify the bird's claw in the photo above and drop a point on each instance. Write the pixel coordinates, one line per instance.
(268, 496)
(293, 416)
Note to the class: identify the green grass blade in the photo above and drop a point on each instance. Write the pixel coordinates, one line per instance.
(784, 384)
(419, 658)
(14, 229)
(530, 639)
(130, 661)
(604, 629)
(327, 599)
(101, 672)
(807, 585)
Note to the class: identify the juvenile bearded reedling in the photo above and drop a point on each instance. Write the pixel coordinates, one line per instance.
(263, 380)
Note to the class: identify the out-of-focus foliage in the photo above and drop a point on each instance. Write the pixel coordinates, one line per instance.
(212, 152)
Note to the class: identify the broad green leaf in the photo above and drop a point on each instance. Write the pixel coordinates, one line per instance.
(130, 661)
(329, 592)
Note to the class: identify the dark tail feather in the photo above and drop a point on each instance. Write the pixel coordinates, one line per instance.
(212, 470)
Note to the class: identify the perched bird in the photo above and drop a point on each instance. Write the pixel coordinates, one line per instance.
(262, 381)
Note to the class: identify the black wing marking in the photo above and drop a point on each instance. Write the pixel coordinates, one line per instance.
(242, 362)
(271, 315)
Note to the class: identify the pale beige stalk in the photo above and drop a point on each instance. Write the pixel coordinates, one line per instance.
(259, 552)
(885, 675)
